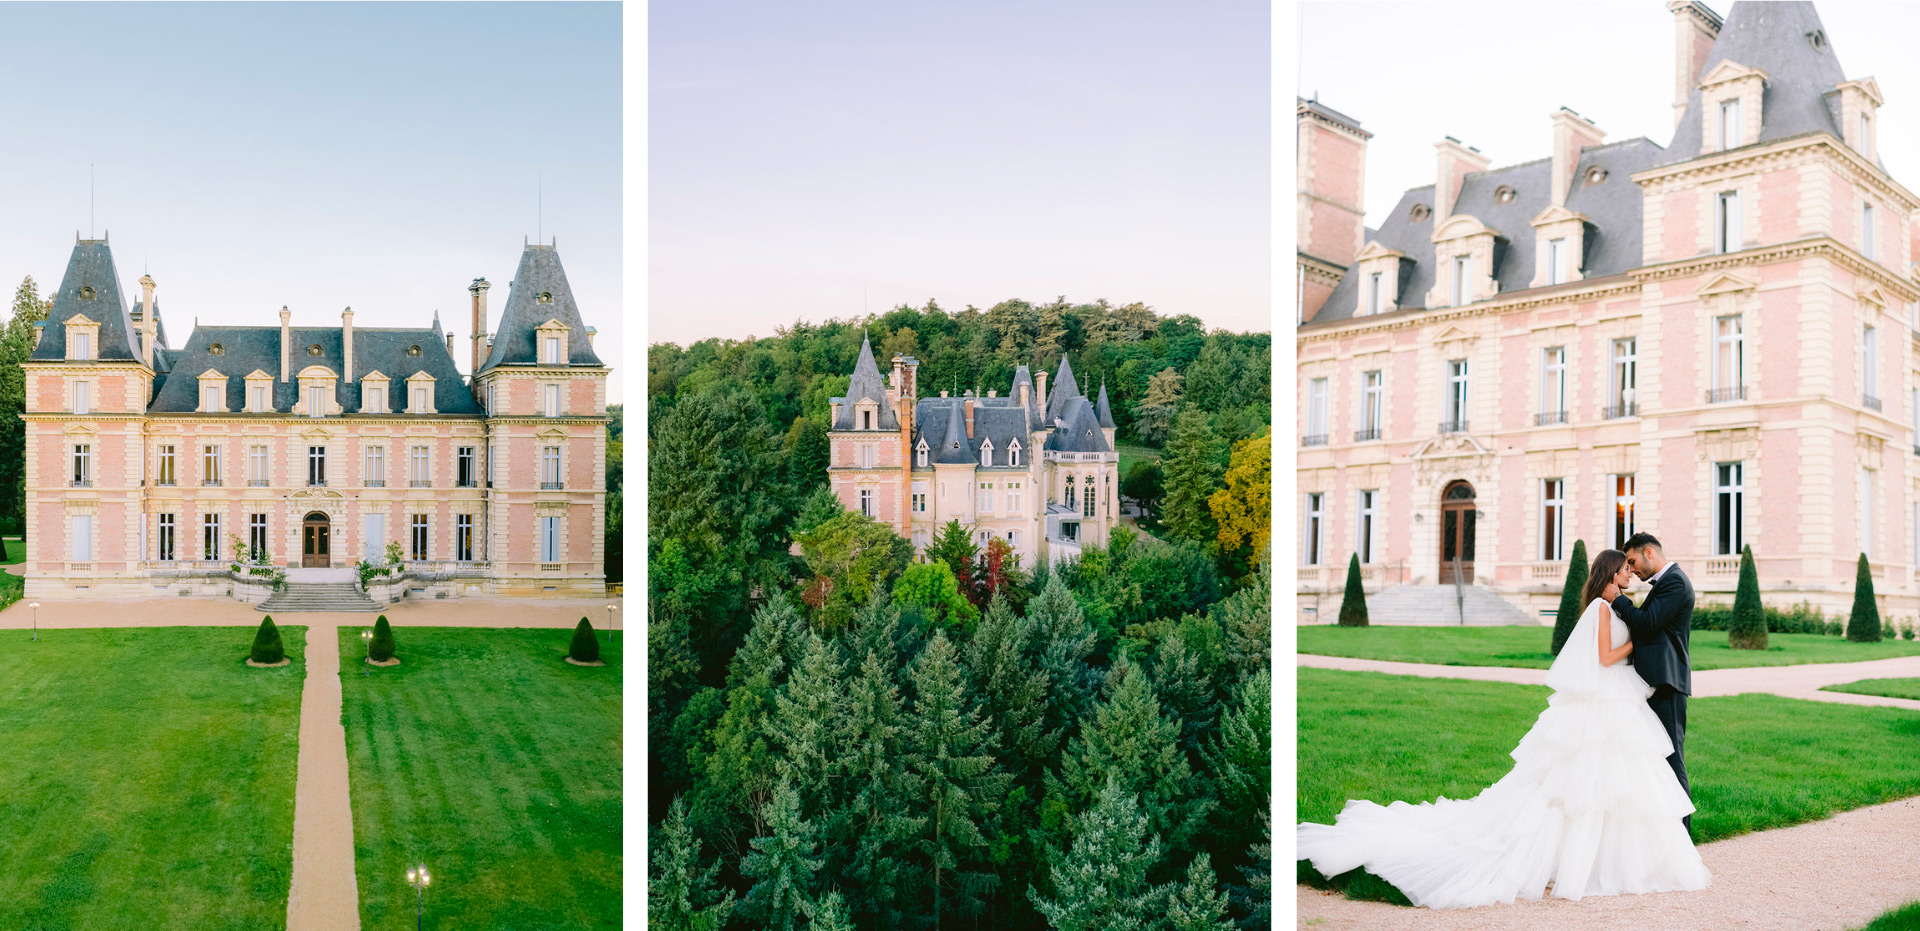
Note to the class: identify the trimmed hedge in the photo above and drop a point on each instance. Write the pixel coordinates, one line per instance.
(267, 647)
(381, 649)
(585, 648)
(1800, 619)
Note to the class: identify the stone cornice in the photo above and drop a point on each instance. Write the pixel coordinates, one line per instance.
(1305, 109)
(1819, 246)
(1572, 293)
(1751, 156)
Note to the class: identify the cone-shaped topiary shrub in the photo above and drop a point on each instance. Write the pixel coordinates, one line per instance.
(381, 649)
(1570, 606)
(267, 647)
(1864, 624)
(1353, 605)
(585, 648)
(1748, 628)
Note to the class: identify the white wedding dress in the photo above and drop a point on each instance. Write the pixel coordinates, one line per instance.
(1590, 804)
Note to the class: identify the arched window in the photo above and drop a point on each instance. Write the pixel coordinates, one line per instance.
(1070, 495)
(986, 453)
(1013, 453)
(921, 457)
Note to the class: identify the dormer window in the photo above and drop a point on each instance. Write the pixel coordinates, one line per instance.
(373, 394)
(986, 453)
(920, 455)
(1730, 124)
(1013, 453)
(866, 420)
(551, 338)
(209, 398)
(550, 350)
(1730, 96)
(316, 401)
(257, 398)
(259, 392)
(316, 392)
(82, 336)
(213, 392)
(82, 346)
(420, 393)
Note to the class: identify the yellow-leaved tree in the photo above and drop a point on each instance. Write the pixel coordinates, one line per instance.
(1243, 509)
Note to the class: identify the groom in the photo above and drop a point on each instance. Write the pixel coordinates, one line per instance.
(1659, 628)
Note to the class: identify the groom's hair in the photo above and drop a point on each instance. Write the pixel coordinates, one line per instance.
(1641, 539)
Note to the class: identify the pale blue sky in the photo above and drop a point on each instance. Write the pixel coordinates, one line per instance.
(804, 154)
(317, 155)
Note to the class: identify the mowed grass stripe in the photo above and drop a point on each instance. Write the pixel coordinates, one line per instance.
(149, 779)
(487, 757)
(1529, 647)
(1887, 688)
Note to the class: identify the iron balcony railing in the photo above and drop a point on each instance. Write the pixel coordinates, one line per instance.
(376, 483)
(256, 483)
(550, 486)
(316, 483)
(1453, 426)
(1550, 417)
(1618, 411)
(1314, 439)
(1869, 402)
(83, 483)
(1723, 395)
(420, 483)
(210, 483)
(1362, 436)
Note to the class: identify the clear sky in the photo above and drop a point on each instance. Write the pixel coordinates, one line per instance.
(809, 160)
(379, 156)
(1509, 65)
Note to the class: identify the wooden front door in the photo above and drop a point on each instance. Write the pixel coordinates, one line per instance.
(1456, 533)
(314, 550)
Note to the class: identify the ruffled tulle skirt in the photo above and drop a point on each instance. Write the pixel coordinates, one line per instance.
(1590, 806)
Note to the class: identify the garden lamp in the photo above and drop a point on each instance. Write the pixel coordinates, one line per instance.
(367, 635)
(418, 878)
(610, 610)
(36, 621)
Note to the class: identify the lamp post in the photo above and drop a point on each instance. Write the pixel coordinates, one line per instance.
(36, 621)
(367, 635)
(610, 610)
(418, 878)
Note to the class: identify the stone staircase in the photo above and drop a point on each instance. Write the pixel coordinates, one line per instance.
(1438, 605)
(336, 597)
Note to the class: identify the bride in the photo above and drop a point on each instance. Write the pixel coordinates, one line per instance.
(1590, 806)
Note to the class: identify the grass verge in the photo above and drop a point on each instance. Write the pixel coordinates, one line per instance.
(1756, 762)
(1528, 647)
(148, 780)
(1904, 918)
(1888, 688)
(497, 764)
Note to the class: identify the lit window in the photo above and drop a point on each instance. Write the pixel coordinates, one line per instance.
(419, 536)
(1622, 511)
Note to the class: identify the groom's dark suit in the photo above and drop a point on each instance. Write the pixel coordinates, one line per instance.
(1659, 628)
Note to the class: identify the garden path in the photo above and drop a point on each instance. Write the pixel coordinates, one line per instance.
(1826, 875)
(1802, 681)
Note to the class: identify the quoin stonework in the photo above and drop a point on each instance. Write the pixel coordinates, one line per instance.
(1035, 467)
(1714, 340)
(313, 447)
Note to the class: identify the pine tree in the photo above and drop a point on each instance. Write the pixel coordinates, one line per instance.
(774, 644)
(1153, 416)
(381, 648)
(1192, 468)
(1748, 628)
(1187, 690)
(267, 647)
(1013, 689)
(800, 728)
(1863, 625)
(585, 647)
(1129, 738)
(1254, 900)
(806, 452)
(1240, 759)
(950, 751)
(782, 865)
(1570, 606)
(876, 825)
(831, 915)
(1101, 884)
(17, 339)
(1353, 605)
(680, 895)
(1065, 640)
(1198, 905)
(1246, 617)
(820, 505)
(953, 545)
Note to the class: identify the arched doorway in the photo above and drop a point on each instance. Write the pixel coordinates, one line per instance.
(1456, 534)
(315, 548)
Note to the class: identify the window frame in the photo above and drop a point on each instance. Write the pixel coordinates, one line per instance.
(1312, 548)
(1624, 500)
(1553, 519)
(1363, 535)
(1727, 222)
(1729, 494)
(1736, 340)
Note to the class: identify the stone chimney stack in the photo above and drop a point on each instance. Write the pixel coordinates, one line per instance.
(479, 291)
(1571, 133)
(1457, 160)
(286, 341)
(148, 324)
(969, 404)
(346, 347)
(1041, 377)
(449, 344)
(1694, 29)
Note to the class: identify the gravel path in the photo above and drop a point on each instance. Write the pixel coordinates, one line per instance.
(324, 896)
(1827, 875)
(1802, 681)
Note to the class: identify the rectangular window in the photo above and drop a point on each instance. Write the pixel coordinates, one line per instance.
(1372, 405)
(83, 465)
(1726, 222)
(493, 454)
(420, 401)
(376, 476)
(259, 395)
(1729, 357)
(316, 401)
(1363, 538)
(1013, 454)
(83, 538)
(1310, 546)
(466, 471)
(317, 465)
(1866, 513)
(1013, 539)
(257, 465)
(1866, 230)
(1013, 497)
(553, 400)
(1373, 293)
(209, 398)
(919, 497)
(376, 538)
(1863, 133)
(1622, 511)
(1556, 261)
(463, 537)
(166, 476)
(550, 467)
(210, 465)
(83, 345)
(1553, 385)
(549, 539)
(552, 354)
(986, 497)
(257, 537)
(1626, 361)
(1730, 124)
(1870, 366)
(1316, 412)
(1727, 505)
(419, 475)
(210, 536)
(1552, 518)
(866, 502)
(166, 551)
(419, 536)
(1460, 280)
(492, 404)
(1457, 396)
(82, 397)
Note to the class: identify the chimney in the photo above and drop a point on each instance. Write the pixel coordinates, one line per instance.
(286, 341)
(1023, 395)
(346, 346)
(1330, 175)
(147, 321)
(479, 291)
(1694, 29)
(1571, 133)
(993, 392)
(1042, 389)
(969, 418)
(1457, 160)
(449, 344)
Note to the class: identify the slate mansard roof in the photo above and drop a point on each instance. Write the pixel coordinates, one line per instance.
(539, 274)
(245, 349)
(91, 287)
(1777, 38)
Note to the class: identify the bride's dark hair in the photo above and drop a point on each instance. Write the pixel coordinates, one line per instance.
(1606, 565)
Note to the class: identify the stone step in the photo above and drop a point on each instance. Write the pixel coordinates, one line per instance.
(320, 597)
(1442, 605)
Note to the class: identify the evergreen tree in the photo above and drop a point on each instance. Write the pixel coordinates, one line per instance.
(1254, 900)
(1065, 640)
(1198, 905)
(800, 728)
(1353, 605)
(1101, 883)
(1240, 759)
(774, 644)
(16, 343)
(1013, 689)
(1186, 689)
(876, 825)
(782, 865)
(1143, 483)
(1748, 628)
(585, 647)
(1246, 618)
(950, 752)
(1570, 606)
(831, 915)
(1863, 625)
(1192, 471)
(807, 455)
(380, 649)
(680, 895)
(954, 546)
(267, 647)
(820, 506)
(1129, 738)
(1153, 416)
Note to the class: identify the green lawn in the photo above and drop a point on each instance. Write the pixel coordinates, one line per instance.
(147, 779)
(1890, 688)
(1132, 454)
(1904, 918)
(1528, 646)
(495, 762)
(16, 551)
(1755, 761)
